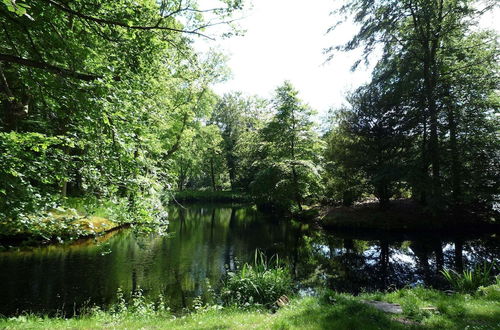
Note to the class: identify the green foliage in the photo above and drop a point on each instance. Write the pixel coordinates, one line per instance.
(96, 98)
(491, 292)
(66, 223)
(425, 122)
(18, 7)
(436, 309)
(135, 307)
(237, 117)
(260, 283)
(274, 185)
(289, 159)
(469, 280)
(32, 167)
(344, 179)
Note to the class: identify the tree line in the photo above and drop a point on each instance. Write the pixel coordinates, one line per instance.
(110, 99)
(426, 125)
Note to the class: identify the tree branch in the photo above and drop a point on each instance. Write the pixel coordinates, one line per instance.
(124, 25)
(48, 67)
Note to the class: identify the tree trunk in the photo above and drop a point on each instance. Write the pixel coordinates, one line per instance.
(382, 193)
(295, 179)
(455, 162)
(296, 187)
(423, 184)
(430, 84)
(64, 188)
(459, 255)
(14, 110)
(212, 173)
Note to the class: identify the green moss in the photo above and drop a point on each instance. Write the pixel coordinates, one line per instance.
(59, 224)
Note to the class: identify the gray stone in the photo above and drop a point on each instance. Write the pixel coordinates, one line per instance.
(385, 306)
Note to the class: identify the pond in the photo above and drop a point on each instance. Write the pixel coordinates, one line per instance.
(204, 242)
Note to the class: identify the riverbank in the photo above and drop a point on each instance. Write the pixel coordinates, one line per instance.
(56, 227)
(208, 196)
(402, 215)
(421, 309)
(74, 218)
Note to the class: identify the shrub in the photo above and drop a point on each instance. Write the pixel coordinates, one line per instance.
(470, 280)
(259, 284)
(491, 292)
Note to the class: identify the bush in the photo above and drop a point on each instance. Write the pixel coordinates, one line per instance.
(32, 168)
(259, 284)
(470, 280)
(491, 292)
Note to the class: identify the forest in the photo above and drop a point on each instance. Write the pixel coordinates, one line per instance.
(109, 120)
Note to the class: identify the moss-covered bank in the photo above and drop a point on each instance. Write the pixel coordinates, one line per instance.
(72, 219)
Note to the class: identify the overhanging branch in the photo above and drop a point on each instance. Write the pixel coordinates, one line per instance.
(47, 67)
(157, 26)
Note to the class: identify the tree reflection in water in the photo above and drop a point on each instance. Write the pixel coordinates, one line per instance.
(206, 242)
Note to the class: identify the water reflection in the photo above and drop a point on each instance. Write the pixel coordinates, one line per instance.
(353, 265)
(205, 242)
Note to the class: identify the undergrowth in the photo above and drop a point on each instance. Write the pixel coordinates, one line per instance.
(260, 283)
(470, 279)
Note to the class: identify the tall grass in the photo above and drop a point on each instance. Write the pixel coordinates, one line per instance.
(469, 280)
(260, 283)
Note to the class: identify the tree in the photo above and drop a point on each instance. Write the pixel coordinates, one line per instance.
(110, 87)
(290, 153)
(419, 40)
(343, 178)
(236, 115)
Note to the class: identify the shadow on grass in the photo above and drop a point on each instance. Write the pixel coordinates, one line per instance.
(342, 313)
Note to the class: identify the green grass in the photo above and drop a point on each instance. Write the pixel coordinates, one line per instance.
(306, 313)
(434, 309)
(327, 311)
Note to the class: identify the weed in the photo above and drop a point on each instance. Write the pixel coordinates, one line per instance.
(469, 280)
(260, 283)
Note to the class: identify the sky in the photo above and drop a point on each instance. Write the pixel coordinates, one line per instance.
(284, 40)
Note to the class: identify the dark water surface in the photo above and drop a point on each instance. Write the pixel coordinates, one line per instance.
(205, 242)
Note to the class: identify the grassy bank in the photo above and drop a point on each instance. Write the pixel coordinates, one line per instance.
(422, 309)
(191, 196)
(402, 215)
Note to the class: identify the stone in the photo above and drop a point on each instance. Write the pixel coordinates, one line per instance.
(282, 301)
(384, 306)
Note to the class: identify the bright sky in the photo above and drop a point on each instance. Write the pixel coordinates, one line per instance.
(284, 40)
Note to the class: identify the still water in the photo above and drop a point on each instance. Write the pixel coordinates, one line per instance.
(204, 242)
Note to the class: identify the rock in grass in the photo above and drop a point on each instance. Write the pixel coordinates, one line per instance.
(430, 309)
(384, 306)
(282, 301)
